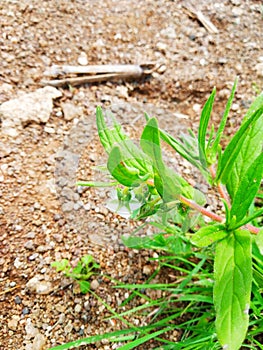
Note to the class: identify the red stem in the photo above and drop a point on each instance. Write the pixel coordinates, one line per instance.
(220, 188)
(201, 210)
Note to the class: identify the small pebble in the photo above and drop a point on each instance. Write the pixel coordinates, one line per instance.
(81, 331)
(78, 308)
(83, 59)
(235, 107)
(94, 285)
(49, 130)
(29, 245)
(18, 300)
(68, 328)
(25, 311)
(147, 270)
(57, 217)
(87, 305)
(67, 207)
(30, 235)
(12, 324)
(37, 205)
(33, 256)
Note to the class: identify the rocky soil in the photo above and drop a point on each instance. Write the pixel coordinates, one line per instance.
(48, 142)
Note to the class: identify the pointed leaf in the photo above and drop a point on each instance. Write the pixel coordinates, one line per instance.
(259, 241)
(202, 131)
(256, 104)
(108, 136)
(248, 219)
(241, 152)
(182, 149)
(248, 188)
(212, 151)
(208, 235)
(113, 136)
(150, 142)
(232, 289)
(120, 171)
(96, 184)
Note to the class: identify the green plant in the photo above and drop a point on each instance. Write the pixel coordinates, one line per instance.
(81, 273)
(140, 174)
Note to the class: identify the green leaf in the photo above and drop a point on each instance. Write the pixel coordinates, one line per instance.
(213, 149)
(202, 131)
(96, 184)
(208, 235)
(247, 190)
(248, 219)
(62, 265)
(88, 261)
(120, 170)
(259, 241)
(241, 152)
(84, 286)
(150, 142)
(167, 182)
(187, 148)
(134, 157)
(135, 343)
(108, 136)
(256, 104)
(113, 336)
(227, 212)
(114, 136)
(232, 289)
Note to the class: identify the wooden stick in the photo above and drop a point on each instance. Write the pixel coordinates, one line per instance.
(88, 79)
(131, 69)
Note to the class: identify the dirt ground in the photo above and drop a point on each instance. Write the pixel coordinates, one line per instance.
(43, 217)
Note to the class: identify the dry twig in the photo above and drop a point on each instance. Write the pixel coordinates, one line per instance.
(192, 12)
(96, 73)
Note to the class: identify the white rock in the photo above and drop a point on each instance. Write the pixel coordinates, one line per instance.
(83, 59)
(70, 111)
(39, 342)
(17, 263)
(32, 107)
(235, 107)
(12, 324)
(49, 130)
(39, 287)
(31, 331)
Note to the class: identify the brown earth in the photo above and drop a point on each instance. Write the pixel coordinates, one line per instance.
(36, 177)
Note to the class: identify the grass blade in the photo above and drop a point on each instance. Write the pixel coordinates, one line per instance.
(137, 342)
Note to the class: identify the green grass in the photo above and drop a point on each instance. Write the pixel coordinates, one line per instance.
(183, 318)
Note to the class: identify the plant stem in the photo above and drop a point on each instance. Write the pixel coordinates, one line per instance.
(225, 196)
(252, 229)
(200, 209)
(213, 216)
(220, 188)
